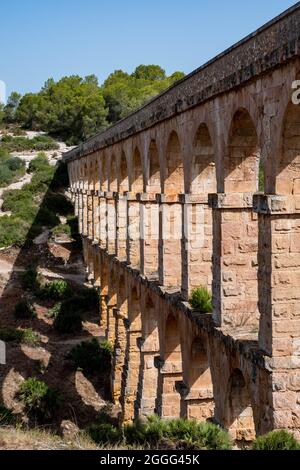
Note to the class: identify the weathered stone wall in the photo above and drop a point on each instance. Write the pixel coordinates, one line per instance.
(168, 200)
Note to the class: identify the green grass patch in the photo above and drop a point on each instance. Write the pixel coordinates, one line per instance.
(24, 336)
(276, 440)
(201, 300)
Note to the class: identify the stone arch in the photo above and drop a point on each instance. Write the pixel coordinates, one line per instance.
(171, 370)
(238, 408)
(123, 174)
(200, 398)
(137, 172)
(174, 174)
(288, 160)
(113, 173)
(203, 171)
(154, 183)
(242, 161)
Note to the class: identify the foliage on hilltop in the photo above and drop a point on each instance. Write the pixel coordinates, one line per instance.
(75, 108)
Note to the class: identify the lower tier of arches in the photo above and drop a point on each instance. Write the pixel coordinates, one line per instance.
(175, 362)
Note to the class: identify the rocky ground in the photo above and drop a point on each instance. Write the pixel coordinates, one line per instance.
(83, 396)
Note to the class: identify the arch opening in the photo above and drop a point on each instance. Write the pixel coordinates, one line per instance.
(123, 182)
(238, 408)
(113, 174)
(242, 162)
(203, 171)
(288, 161)
(154, 184)
(174, 174)
(137, 172)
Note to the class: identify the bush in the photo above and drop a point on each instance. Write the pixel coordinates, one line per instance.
(69, 317)
(201, 300)
(15, 164)
(189, 434)
(25, 336)
(6, 415)
(105, 433)
(92, 356)
(24, 310)
(62, 229)
(39, 163)
(21, 144)
(276, 440)
(30, 278)
(39, 399)
(13, 231)
(57, 203)
(55, 290)
(54, 311)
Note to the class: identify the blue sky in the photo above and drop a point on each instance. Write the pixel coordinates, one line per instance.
(52, 38)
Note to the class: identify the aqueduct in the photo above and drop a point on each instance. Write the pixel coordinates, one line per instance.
(201, 187)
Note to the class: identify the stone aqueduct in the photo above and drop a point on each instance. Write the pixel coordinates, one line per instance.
(199, 148)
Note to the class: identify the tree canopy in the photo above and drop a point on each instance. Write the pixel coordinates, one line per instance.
(75, 108)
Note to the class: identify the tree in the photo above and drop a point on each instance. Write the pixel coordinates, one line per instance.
(72, 108)
(11, 107)
(149, 72)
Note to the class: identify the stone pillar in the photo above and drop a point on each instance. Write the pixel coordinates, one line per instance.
(196, 243)
(121, 235)
(149, 230)
(133, 230)
(111, 223)
(121, 324)
(170, 234)
(132, 364)
(235, 234)
(148, 380)
(84, 213)
(80, 212)
(76, 204)
(102, 221)
(279, 302)
(90, 215)
(96, 217)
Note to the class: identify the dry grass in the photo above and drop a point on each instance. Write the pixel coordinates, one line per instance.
(12, 438)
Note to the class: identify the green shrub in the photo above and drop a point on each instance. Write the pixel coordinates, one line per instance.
(6, 416)
(55, 290)
(69, 317)
(57, 203)
(105, 433)
(5, 175)
(92, 356)
(24, 310)
(276, 440)
(13, 231)
(20, 144)
(88, 299)
(25, 336)
(62, 229)
(201, 300)
(54, 311)
(15, 164)
(194, 435)
(39, 163)
(39, 399)
(30, 279)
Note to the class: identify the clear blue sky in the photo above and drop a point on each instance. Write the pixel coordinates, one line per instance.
(52, 38)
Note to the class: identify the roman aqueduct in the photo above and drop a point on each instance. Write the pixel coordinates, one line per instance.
(201, 187)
